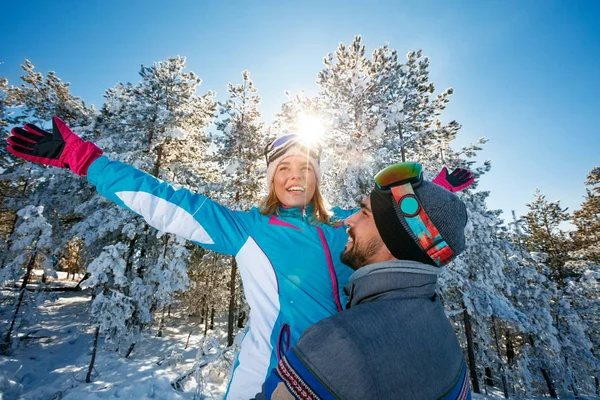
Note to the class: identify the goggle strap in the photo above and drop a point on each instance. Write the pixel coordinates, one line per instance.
(275, 152)
(430, 239)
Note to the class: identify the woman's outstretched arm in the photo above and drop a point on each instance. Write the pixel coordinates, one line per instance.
(178, 211)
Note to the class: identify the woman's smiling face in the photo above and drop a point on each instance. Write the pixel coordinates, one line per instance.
(295, 181)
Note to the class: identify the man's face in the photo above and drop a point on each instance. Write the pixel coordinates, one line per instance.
(364, 243)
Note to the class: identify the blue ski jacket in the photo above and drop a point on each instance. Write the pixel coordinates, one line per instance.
(290, 266)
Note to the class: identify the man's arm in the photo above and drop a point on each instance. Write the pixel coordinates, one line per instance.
(292, 379)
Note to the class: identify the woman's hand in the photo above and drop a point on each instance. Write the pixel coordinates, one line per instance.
(61, 148)
(459, 179)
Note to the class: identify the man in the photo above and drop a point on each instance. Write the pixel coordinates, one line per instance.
(394, 340)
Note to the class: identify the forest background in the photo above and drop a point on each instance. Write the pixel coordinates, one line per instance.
(523, 297)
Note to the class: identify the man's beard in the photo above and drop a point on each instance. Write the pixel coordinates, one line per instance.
(360, 255)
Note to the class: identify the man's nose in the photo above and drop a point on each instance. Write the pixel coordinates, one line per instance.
(348, 221)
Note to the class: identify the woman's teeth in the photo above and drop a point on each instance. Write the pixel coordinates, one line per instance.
(296, 189)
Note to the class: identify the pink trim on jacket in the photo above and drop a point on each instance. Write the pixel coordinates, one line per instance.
(273, 220)
(334, 282)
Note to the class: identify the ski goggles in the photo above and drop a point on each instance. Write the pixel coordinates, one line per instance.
(279, 146)
(401, 179)
(399, 174)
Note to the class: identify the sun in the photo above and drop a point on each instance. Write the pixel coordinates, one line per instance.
(310, 129)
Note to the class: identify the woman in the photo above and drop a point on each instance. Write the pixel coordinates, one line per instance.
(287, 251)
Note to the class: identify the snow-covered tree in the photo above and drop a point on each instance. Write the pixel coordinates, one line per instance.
(30, 246)
(543, 233)
(158, 125)
(240, 146)
(240, 155)
(350, 98)
(113, 309)
(586, 238)
(36, 101)
(548, 242)
(535, 362)
(39, 98)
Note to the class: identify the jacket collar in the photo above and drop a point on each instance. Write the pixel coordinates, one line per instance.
(391, 279)
(296, 212)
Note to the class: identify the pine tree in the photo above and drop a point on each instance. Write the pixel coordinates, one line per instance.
(543, 233)
(536, 348)
(350, 97)
(157, 125)
(586, 238)
(31, 246)
(240, 146)
(239, 155)
(576, 348)
(35, 101)
(39, 98)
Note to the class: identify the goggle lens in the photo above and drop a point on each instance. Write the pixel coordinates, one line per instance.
(282, 140)
(398, 174)
(281, 144)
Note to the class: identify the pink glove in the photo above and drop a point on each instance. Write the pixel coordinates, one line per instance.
(458, 180)
(61, 148)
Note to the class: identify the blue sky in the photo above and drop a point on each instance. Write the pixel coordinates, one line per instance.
(525, 73)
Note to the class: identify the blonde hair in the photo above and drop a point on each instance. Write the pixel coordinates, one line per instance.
(270, 205)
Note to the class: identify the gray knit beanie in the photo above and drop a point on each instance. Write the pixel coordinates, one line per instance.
(446, 211)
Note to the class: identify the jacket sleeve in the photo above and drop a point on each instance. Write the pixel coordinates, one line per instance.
(292, 379)
(192, 216)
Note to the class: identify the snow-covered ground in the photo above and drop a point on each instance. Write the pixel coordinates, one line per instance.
(52, 362)
(53, 354)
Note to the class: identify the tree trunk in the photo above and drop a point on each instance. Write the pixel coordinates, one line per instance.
(471, 351)
(241, 319)
(212, 318)
(488, 377)
(75, 265)
(162, 324)
(88, 377)
(187, 342)
(545, 374)
(549, 383)
(4, 346)
(573, 381)
(403, 151)
(498, 350)
(158, 162)
(205, 312)
(510, 349)
(201, 311)
(130, 350)
(231, 301)
(575, 392)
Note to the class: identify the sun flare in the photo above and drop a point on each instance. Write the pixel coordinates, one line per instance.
(310, 128)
